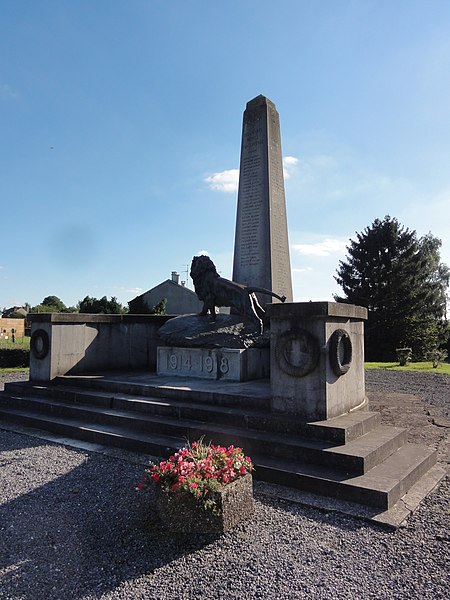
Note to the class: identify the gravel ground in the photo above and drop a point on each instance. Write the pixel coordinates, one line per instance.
(72, 525)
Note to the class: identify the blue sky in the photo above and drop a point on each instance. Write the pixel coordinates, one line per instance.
(120, 128)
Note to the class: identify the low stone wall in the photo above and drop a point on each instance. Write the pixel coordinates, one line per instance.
(64, 344)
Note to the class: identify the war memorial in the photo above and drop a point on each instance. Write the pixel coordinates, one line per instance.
(284, 380)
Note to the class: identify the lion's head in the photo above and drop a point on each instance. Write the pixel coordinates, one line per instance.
(201, 265)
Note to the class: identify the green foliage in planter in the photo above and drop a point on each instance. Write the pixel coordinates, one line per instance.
(14, 357)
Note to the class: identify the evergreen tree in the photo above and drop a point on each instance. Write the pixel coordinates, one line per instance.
(402, 282)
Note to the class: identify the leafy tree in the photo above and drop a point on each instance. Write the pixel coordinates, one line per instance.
(43, 308)
(137, 306)
(160, 308)
(16, 315)
(102, 305)
(54, 302)
(402, 282)
(51, 304)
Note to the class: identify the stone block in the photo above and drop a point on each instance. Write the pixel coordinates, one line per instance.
(317, 359)
(228, 364)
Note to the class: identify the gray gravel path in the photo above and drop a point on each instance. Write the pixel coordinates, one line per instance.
(73, 526)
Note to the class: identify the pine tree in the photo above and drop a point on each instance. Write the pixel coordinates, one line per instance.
(402, 282)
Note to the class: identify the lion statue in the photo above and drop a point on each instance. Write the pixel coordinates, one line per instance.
(214, 290)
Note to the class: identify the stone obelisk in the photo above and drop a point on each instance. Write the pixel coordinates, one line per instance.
(261, 248)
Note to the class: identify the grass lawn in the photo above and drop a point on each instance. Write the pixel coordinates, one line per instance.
(14, 370)
(21, 342)
(423, 367)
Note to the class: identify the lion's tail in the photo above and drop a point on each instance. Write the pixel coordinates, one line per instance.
(267, 293)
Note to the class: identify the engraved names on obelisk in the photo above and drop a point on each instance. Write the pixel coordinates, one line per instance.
(261, 250)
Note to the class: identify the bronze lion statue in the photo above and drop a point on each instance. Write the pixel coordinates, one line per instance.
(214, 290)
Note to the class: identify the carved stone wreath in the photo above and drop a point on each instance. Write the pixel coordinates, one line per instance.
(340, 352)
(40, 343)
(297, 352)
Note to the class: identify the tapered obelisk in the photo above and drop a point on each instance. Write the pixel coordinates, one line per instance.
(261, 248)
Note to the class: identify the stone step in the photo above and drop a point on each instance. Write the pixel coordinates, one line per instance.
(381, 487)
(233, 395)
(357, 457)
(339, 430)
(156, 445)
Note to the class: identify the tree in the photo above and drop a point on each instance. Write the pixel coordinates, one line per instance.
(54, 302)
(105, 306)
(51, 304)
(160, 308)
(137, 306)
(402, 282)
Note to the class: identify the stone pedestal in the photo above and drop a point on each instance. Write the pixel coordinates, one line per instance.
(317, 359)
(228, 364)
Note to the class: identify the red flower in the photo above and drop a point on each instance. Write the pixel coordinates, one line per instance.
(155, 476)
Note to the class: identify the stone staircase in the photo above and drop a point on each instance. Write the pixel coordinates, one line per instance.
(352, 457)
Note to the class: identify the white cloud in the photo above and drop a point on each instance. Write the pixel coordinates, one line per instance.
(128, 290)
(289, 164)
(226, 181)
(302, 270)
(202, 253)
(325, 248)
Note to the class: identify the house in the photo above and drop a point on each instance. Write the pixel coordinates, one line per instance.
(180, 299)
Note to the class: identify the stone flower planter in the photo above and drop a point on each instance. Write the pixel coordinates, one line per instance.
(181, 513)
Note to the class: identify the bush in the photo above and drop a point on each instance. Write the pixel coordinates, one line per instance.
(436, 356)
(14, 357)
(404, 356)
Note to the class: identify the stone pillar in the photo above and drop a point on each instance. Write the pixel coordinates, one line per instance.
(317, 359)
(261, 249)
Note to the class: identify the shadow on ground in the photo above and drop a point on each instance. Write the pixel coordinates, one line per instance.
(89, 530)
(84, 532)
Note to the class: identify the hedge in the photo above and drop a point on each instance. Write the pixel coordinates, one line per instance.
(14, 357)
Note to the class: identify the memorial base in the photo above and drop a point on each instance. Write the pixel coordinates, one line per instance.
(226, 364)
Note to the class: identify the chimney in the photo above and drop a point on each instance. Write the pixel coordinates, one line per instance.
(176, 277)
